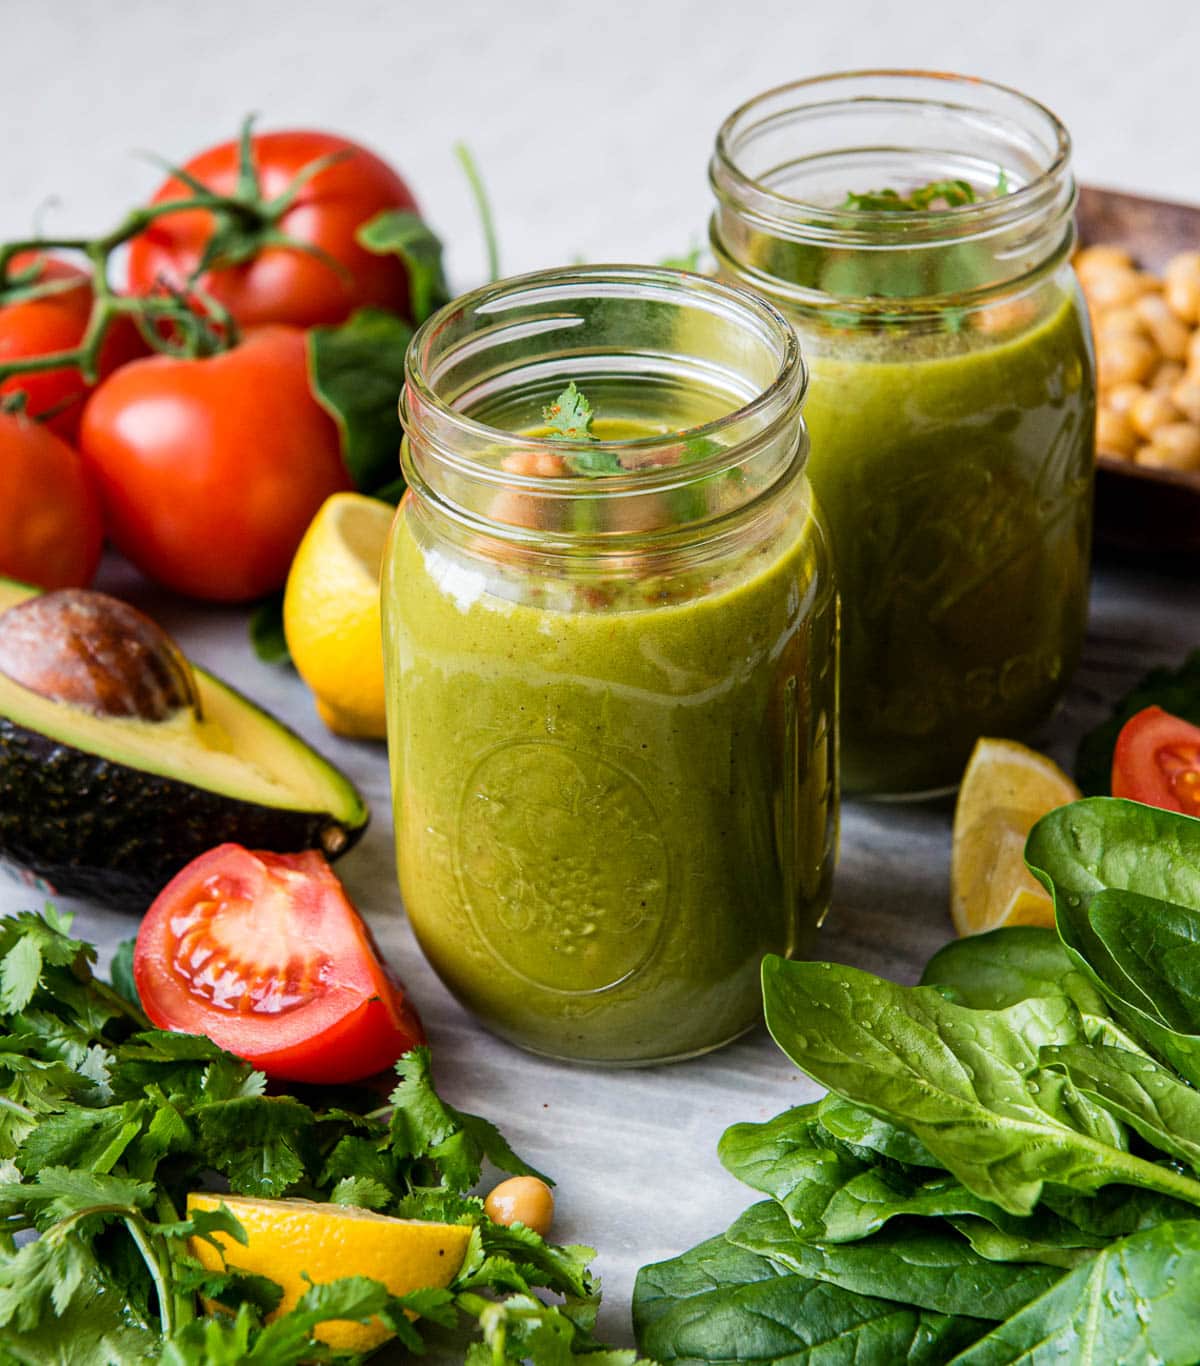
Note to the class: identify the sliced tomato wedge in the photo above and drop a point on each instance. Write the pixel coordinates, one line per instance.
(1157, 761)
(265, 955)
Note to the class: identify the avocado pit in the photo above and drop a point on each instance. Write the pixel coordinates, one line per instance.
(95, 652)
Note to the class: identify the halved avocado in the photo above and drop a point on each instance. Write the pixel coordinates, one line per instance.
(111, 808)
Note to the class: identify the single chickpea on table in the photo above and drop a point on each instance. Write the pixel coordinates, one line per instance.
(1147, 356)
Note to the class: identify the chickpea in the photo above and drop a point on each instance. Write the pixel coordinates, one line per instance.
(521, 1200)
(1167, 376)
(1150, 412)
(1118, 287)
(1176, 446)
(1102, 259)
(526, 509)
(1120, 359)
(1114, 434)
(1121, 397)
(1009, 316)
(1186, 397)
(1193, 354)
(1170, 335)
(1182, 285)
(543, 464)
(1120, 322)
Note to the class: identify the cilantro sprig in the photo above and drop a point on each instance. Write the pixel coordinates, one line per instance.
(105, 1126)
(570, 418)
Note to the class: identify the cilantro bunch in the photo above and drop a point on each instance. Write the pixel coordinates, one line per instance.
(105, 1126)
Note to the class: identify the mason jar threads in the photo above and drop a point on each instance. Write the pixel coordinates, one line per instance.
(917, 229)
(611, 660)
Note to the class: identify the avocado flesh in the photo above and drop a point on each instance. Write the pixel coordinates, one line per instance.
(111, 808)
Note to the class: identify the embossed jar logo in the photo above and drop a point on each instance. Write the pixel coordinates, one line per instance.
(561, 865)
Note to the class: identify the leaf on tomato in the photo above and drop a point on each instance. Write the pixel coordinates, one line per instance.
(1174, 690)
(401, 233)
(356, 372)
(266, 631)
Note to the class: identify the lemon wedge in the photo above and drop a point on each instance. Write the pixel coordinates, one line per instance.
(1006, 788)
(289, 1239)
(331, 614)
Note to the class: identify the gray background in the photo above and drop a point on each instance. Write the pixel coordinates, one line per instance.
(593, 126)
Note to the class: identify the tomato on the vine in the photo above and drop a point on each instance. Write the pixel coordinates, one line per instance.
(269, 282)
(1157, 761)
(210, 469)
(52, 323)
(265, 955)
(51, 531)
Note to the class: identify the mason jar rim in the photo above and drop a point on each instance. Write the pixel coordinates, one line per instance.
(786, 389)
(880, 226)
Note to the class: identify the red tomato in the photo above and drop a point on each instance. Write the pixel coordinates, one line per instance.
(50, 526)
(265, 955)
(210, 470)
(1157, 761)
(285, 284)
(40, 327)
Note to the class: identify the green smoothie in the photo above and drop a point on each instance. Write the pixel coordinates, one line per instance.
(954, 471)
(610, 805)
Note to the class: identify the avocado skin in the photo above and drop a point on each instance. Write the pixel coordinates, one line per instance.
(116, 835)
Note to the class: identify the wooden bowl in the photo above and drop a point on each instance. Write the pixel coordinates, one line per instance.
(1138, 508)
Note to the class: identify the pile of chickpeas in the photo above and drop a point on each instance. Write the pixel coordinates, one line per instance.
(1147, 356)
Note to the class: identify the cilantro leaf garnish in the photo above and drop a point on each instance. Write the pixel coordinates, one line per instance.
(570, 415)
(570, 418)
(952, 194)
(106, 1125)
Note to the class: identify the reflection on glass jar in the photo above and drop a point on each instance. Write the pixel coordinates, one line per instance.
(953, 401)
(611, 662)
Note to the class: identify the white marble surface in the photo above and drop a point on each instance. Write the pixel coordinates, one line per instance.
(634, 1152)
(593, 125)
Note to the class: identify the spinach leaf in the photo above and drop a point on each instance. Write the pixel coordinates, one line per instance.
(1087, 851)
(785, 1159)
(1175, 690)
(1116, 1211)
(1133, 1303)
(862, 1129)
(923, 1265)
(868, 1201)
(1039, 1237)
(998, 969)
(956, 1078)
(1156, 944)
(356, 373)
(1148, 1097)
(718, 1303)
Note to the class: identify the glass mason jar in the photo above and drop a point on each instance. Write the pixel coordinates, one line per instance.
(953, 399)
(611, 695)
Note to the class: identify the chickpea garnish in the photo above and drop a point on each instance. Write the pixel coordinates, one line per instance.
(1124, 321)
(1147, 356)
(1153, 410)
(1123, 358)
(1167, 376)
(1118, 287)
(1115, 434)
(1181, 282)
(1186, 397)
(1170, 334)
(521, 1200)
(1121, 397)
(1176, 446)
(1102, 259)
